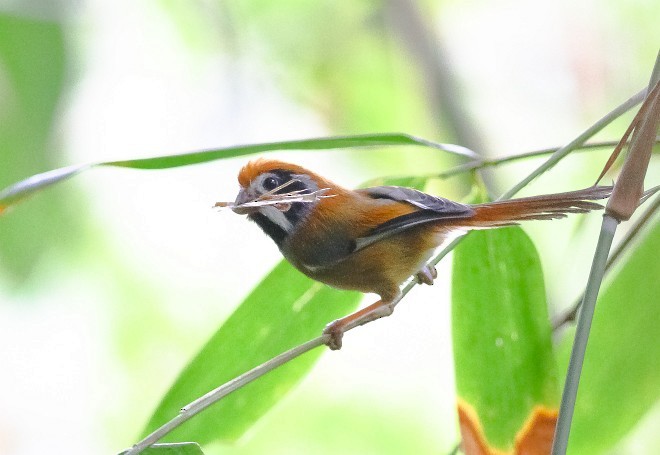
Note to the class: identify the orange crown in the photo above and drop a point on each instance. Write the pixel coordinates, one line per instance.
(257, 167)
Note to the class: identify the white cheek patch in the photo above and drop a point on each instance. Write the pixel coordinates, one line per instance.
(277, 216)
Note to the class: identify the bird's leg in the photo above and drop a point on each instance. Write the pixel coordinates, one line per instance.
(377, 310)
(374, 311)
(426, 275)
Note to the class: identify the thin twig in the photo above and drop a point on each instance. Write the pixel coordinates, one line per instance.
(481, 163)
(549, 151)
(270, 199)
(621, 205)
(197, 406)
(577, 142)
(655, 74)
(567, 406)
(570, 315)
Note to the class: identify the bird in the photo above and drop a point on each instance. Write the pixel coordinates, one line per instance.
(374, 239)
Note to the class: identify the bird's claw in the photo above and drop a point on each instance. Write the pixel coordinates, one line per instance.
(334, 332)
(426, 275)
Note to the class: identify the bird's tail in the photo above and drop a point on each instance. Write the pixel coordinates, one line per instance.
(547, 207)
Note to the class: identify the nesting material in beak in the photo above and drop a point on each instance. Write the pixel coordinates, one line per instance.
(246, 204)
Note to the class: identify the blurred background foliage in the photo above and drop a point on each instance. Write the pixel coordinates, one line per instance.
(109, 283)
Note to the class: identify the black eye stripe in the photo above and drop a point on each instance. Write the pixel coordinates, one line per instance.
(283, 177)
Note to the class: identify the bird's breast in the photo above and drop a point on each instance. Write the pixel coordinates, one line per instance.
(379, 268)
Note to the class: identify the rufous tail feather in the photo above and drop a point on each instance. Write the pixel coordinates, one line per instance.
(547, 207)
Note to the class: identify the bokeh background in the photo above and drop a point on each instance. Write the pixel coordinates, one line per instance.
(110, 282)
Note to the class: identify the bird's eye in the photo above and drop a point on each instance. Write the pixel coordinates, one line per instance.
(270, 183)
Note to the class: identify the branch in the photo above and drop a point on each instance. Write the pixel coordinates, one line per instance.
(215, 395)
(481, 163)
(621, 205)
(577, 142)
(570, 315)
(197, 406)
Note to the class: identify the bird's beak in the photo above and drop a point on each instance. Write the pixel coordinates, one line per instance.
(242, 198)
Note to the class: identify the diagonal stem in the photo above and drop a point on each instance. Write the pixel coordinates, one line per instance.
(197, 406)
(621, 205)
(569, 396)
(622, 246)
(577, 142)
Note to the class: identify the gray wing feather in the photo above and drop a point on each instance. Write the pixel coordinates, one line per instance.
(419, 199)
(432, 209)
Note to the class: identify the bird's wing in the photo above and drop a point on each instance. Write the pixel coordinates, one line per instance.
(431, 208)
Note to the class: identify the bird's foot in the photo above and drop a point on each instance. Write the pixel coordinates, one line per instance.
(335, 330)
(426, 275)
(335, 333)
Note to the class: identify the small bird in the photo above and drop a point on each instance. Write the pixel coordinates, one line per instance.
(374, 239)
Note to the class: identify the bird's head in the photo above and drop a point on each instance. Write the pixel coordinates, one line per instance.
(268, 178)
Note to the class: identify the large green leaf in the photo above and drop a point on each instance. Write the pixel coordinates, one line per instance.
(504, 362)
(20, 190)
(620, 379)
(285, 310)
(323, 143)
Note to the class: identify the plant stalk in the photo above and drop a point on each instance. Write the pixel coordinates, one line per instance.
(608, 229)
(577, 142)
(197, 406)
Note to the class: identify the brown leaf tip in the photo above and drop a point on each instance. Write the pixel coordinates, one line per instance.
(534, 438)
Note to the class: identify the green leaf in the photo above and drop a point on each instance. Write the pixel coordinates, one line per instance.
(25, 188)
(502, 337)
(620, 379)
(285, 310)
(323, 143)
(180, 448)
(19, 190)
